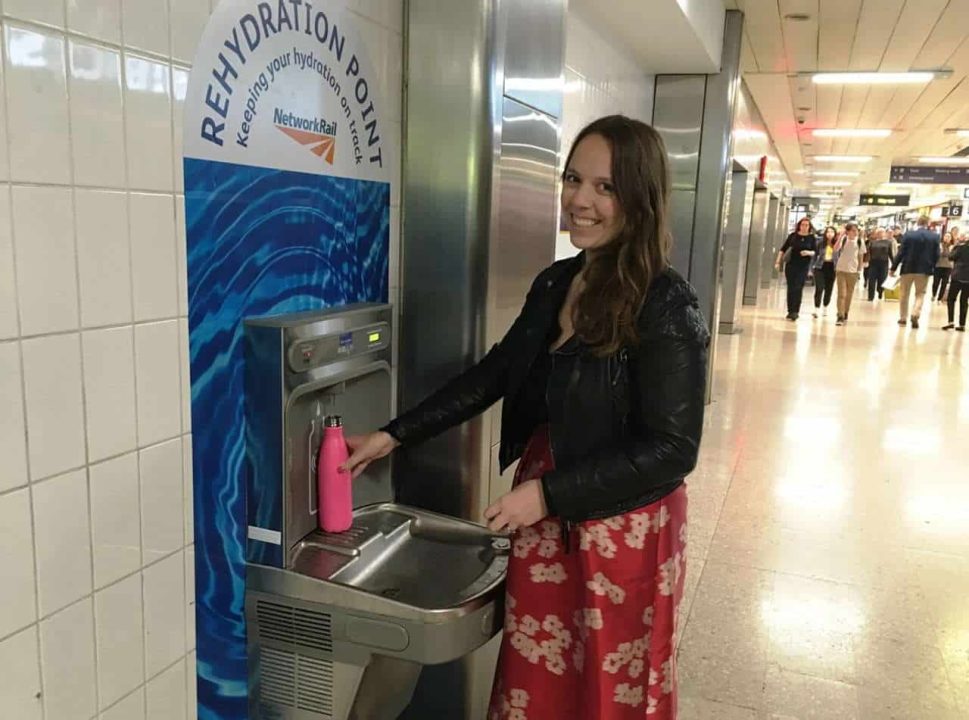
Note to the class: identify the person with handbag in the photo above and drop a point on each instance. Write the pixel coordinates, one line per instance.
(851, 261)
(802, 244)
(943, 267)
(959, 285)
(880, 256)
(603, 378)
(917, 259)
(822, 265)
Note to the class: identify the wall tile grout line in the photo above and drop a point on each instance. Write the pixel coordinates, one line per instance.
(99, 461)
(95, 591)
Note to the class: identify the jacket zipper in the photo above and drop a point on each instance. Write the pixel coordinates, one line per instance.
(565, 524)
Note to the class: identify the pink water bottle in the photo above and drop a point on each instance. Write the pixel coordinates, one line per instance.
(335, 493)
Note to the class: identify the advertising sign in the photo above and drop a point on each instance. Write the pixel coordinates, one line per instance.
(287, 165)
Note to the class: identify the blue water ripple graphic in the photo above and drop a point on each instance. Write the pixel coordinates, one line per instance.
(260, 242)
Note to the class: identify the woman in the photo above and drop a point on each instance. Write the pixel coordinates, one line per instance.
(823, 265)
(959, 255)
(802, 244)
(881, 254)
(943, 269)
(603, 377)
(851, 261)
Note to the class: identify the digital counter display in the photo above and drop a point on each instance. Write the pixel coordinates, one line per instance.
(374, 337)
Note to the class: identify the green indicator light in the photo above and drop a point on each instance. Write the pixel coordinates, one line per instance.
(374, 337)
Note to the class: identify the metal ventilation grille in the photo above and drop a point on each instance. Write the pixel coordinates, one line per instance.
(277, 677)
(295, 681)
(295, 626)
(314, 685)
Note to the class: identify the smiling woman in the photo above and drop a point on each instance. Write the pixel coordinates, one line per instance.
(603, 381)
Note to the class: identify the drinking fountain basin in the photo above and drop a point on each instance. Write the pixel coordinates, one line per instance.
(402, 588)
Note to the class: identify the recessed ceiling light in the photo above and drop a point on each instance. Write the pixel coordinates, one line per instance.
(957, 131)
(843, 158)
(749, 134)
(852, 132)
(804, 109)
(877, 78)
(797, 17)
(947, 160)
(831, 183)
(837, 173)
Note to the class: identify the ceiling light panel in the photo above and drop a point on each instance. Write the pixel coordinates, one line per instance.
(843, 158)
(852, 132)
(872, 78)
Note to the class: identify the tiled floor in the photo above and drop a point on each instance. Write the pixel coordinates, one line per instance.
(828, 568)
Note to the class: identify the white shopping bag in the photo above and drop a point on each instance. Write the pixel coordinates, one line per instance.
(891, 282)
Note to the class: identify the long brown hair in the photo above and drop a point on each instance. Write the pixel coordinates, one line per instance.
(618, 275)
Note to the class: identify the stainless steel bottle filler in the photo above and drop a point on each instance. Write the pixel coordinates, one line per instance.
(340, 625)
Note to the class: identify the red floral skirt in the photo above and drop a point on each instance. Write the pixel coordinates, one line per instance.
(589, 634)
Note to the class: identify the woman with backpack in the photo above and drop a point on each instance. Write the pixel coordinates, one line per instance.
(823, 266)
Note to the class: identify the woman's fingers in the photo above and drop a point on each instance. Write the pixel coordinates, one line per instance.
(358, 471)
(492, 510)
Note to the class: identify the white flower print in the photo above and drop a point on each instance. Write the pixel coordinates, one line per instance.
(648, 616)
(550, 530)
(670, 575)
(529, 625)
(684, 534)
(626, 695)
(587, 619)
(639, 521)
(636, 539)
(525, 540)
(653, 677)
(600, 585)
(550, 648)
(660, 518)
(667, 668)
(597, 534)
(517, 714)
(547, 548)
(519, 698)
(636, 668)
(651, 706)
(554, 573)
(615, 523)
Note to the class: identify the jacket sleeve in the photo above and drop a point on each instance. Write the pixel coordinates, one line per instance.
(902, 253)
(466, 395)
(667, 386)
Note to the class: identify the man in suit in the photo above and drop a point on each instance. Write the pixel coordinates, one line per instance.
(917, 257)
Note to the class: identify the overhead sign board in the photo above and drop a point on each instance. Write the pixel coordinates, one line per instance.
(930, 174)
(965, 194)
(885, 200)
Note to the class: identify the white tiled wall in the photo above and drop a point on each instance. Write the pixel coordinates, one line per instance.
(601, 78)
(96, 556)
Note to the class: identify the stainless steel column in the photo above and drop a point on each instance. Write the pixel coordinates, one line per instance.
(685, 106)
(482, 121)
(770, 243)
(736, 240)
(759, 222)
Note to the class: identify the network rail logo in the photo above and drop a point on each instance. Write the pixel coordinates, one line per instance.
(317, 133)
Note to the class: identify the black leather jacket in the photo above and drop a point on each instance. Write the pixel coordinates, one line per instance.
(630, 423)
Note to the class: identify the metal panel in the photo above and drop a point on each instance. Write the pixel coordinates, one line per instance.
(523, 242)
(721, 95)
(479, 181)
(534, 70)
(736, 238)
(677, 115)
(770, 242)
(759, 220)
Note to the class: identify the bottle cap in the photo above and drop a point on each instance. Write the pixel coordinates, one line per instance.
(334, 421)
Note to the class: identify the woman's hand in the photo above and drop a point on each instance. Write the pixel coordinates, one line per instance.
(522, 507)
(364, 449)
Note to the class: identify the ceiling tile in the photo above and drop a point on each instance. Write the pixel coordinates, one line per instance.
(764, 30)
(917, 21)
(948, 35)
(839, 22)
(800, 37)
(875, 26)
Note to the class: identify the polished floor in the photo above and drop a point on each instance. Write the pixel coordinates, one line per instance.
(828, 571)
